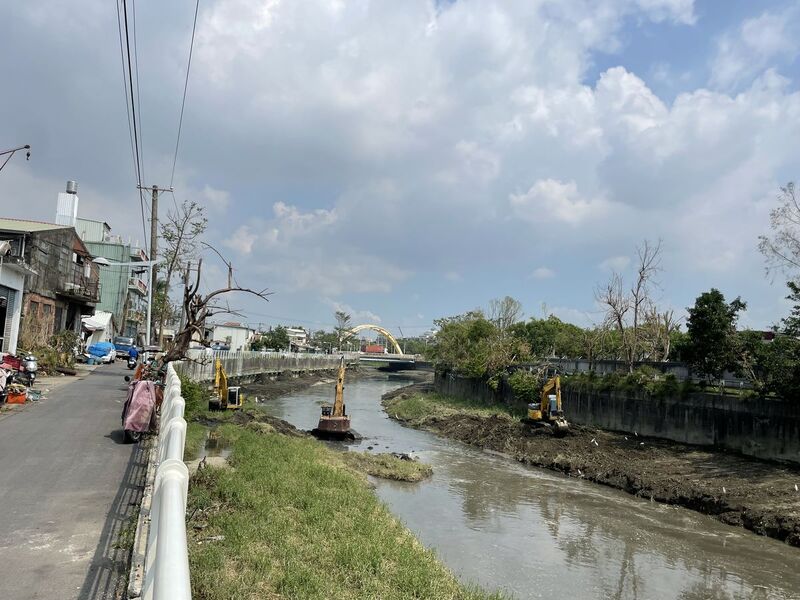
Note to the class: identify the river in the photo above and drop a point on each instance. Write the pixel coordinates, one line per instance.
(537, 534)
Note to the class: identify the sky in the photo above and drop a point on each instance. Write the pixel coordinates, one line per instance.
(405, 161)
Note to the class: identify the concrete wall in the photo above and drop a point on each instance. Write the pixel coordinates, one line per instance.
(768, 429)
(200, 367)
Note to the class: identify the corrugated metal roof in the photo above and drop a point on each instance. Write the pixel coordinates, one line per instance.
(23, 225)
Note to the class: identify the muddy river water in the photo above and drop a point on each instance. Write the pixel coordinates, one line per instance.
(537, 534)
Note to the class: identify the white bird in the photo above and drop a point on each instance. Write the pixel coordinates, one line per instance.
(595, 443)
(626, 438)
(795, 487)
(636, 434)
(581, 474)
(592, 442)
(724, 491)
(641, 443)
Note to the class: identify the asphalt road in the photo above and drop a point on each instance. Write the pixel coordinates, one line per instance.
(68, 487)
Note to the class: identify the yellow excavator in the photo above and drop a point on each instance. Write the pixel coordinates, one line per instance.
(547, 412)
(225, 397)
(334, 422)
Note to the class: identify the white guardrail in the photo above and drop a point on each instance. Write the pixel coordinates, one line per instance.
(166, 565)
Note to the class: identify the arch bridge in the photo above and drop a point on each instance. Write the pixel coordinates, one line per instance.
(378, 329)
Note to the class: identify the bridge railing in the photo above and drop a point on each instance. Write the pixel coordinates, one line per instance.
(166, 563)
(200, 363)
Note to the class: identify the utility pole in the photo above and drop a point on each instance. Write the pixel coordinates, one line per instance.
(153, 253)
(185, 284)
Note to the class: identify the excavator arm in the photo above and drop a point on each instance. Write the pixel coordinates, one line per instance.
(338, 404)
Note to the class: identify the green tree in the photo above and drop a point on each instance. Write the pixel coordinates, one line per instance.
(551, 337)
(342, 327)
(712, 345)
(472, 345)
(791, 324)
(274, 339)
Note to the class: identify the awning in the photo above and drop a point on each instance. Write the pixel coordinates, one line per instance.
(99, 320)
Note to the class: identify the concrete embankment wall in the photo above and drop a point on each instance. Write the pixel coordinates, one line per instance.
(242, 365)
(768, 429)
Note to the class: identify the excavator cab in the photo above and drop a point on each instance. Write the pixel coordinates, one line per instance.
(547, 412)
(225, 397)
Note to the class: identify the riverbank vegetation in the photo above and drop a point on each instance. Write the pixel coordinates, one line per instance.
(415, 405)
(387, 466)
(290, 519)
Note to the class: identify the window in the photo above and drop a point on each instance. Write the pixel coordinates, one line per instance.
(46, 308)
(33, 308)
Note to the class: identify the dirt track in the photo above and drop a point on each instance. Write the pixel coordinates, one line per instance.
(740, 491)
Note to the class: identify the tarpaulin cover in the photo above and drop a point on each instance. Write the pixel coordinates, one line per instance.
(100, 348)
(138, 412)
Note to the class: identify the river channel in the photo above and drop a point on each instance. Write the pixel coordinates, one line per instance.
(537, 534)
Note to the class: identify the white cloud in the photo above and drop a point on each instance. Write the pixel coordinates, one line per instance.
(746, 52)
(550, 199)
(242, 240)
(615, 263)
(453, 276)
(543, 273)
(358, 317)
(218, 200)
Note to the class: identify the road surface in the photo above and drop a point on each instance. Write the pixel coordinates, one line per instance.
(68, 486)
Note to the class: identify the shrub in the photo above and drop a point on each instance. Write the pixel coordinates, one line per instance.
(525, 386)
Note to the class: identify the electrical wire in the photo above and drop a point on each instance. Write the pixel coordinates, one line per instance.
(138, 96)
(134, 122)
(183, 101)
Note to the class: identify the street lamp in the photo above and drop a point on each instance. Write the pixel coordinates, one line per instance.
(104, 262)
(11, 152)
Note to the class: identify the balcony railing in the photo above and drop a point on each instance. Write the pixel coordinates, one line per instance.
(137, 285)
(135, 316)
(81, 288)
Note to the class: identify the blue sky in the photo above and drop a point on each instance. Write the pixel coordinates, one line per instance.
(407, 161)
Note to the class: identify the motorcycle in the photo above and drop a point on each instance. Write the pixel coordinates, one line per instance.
(30, 366)
(131, 362)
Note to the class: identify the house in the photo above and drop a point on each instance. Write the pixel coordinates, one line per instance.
(230, 336)
(123, 287)
(61, 283)
(298, 338)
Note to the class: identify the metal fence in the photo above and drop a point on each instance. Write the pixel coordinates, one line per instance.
(200, 363)
(166, 565)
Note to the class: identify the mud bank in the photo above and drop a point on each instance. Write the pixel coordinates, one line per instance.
(266, 389)
(760, 496)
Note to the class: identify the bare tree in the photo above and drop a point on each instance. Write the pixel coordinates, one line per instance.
(782, 248)
(617, 304)
(625, 310)
(505, 312)
(180, 233)
(198, 308)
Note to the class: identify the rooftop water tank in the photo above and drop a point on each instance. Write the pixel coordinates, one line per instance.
(72, 187)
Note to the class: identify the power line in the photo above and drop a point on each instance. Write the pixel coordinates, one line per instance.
(138, 96)
(183, 101)
(134, 121)
(125, 87)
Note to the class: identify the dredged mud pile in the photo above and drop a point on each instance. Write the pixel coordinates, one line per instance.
(760, 496)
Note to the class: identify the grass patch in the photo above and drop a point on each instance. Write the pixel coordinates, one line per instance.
(417, 407)
(387, 466)
(195, 438)
(296, 522)
(127, 533)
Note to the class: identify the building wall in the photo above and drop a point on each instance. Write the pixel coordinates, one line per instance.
(11, 288)
(239, 336)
